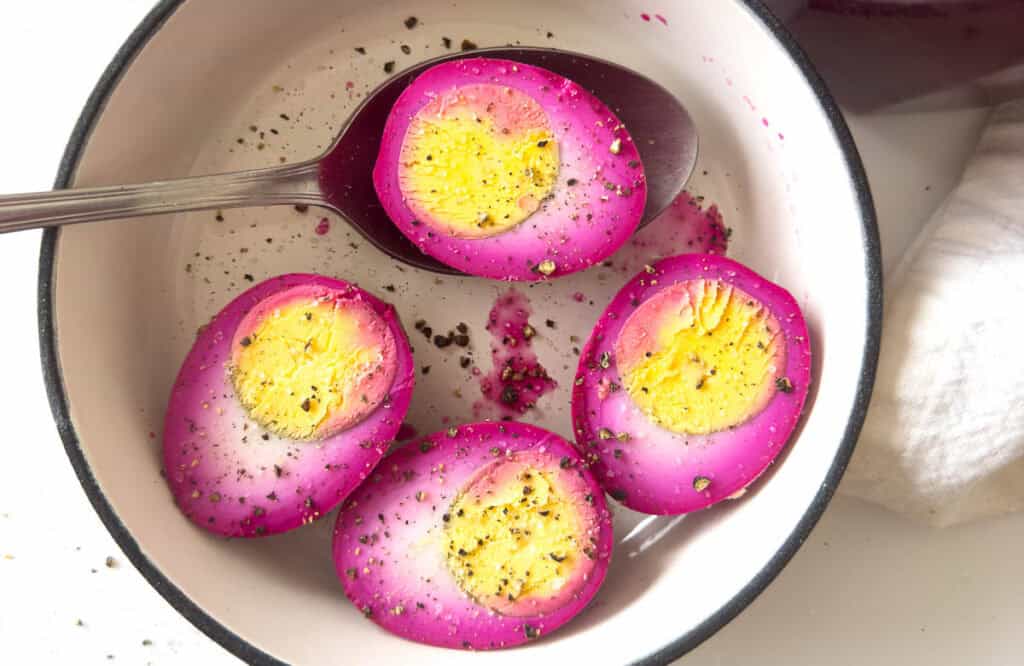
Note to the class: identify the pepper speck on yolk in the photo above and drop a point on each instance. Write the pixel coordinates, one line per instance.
(311, 367)
(513, 535)
(478, 161)
(700, 357)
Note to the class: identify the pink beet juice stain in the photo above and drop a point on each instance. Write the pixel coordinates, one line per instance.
(406, 432)
(685, 226)
(323, 226)
(517, 379)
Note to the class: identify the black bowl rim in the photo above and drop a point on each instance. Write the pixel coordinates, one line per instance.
(249, 653)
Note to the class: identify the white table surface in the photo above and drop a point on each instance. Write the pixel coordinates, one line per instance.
(868, 587)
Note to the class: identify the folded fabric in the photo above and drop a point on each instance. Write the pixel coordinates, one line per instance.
(944, 437)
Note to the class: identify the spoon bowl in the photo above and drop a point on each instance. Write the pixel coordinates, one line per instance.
(662, 129)
(341, 178)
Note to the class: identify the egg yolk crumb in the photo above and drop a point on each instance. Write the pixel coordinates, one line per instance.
(700, 357)
(311, 367)
(513, 536)
(478, 161)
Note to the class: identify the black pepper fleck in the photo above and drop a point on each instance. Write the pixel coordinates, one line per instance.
(509, 395)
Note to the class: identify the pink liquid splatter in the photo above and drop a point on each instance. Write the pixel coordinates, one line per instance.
(782, 137)
(578, 297)
(405, 433)
(646, 17)
(517, 379)
(686, 226)
(764, 121)
(749, 103)
(323, 226)
(664, 21)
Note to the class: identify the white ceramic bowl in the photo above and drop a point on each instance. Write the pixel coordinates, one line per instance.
(120, 302)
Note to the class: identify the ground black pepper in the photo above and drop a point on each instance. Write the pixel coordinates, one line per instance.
(509, 395)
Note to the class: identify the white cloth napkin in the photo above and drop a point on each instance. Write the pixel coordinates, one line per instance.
(944, 437)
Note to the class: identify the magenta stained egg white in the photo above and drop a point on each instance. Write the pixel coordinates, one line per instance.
(691, 384)
(480, 537)
(287, 400)
(508, 171)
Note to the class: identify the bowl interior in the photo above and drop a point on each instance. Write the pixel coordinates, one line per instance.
(129, 296)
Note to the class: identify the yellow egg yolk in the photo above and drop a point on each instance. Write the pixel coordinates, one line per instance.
(513, 536)
(478, 161)
(700, 357)
(312, 367)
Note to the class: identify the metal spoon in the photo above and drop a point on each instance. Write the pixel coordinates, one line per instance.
(660, 126)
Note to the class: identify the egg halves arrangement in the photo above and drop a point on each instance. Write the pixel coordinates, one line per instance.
(287, 400)
(508, 171)
(493, 534)
(691, 384)
(484, 536)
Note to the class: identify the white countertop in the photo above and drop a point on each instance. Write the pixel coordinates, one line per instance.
(867, 586)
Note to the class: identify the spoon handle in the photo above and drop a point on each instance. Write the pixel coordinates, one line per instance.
(289, 184)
